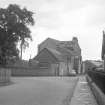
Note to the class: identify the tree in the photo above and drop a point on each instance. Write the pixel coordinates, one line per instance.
(14, 22)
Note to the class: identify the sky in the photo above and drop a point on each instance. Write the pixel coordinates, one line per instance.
(64, 19)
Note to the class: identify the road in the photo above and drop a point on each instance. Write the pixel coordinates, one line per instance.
(38, 91)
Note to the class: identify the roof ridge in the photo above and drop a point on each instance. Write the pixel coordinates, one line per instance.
(52, 39)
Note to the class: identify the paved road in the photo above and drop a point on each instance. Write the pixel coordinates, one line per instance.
(83, 95)
(38, 91)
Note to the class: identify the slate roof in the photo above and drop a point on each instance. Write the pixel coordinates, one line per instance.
(57, 54)
(60, 49)
(67, 47)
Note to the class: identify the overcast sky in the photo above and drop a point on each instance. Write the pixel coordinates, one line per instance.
(63, 19)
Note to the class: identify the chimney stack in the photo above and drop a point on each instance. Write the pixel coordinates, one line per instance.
(75, 39)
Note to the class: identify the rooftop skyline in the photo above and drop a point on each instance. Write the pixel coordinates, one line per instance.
(64, 19)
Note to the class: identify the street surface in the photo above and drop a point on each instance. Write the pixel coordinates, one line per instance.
(38, 91)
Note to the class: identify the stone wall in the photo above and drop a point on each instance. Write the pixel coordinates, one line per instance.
(99, 95)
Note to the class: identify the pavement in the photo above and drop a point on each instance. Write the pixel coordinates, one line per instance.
(83, 94)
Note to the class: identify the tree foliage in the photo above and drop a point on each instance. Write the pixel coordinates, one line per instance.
(14, 22)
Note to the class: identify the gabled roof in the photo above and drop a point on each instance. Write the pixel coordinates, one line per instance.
(56, 54)
(50, 40)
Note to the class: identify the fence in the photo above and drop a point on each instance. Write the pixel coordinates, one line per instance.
(5, 75)
(24, 71)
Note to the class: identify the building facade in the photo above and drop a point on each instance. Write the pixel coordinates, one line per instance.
(62, 58)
